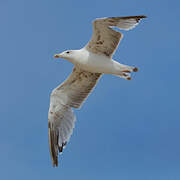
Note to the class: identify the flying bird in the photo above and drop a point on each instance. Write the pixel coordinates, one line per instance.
(90, 63)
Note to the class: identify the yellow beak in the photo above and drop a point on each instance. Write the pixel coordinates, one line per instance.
(57, 56)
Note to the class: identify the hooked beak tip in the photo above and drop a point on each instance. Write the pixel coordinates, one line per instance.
(56, 56)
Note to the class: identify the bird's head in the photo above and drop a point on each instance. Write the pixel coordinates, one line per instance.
(68, 54)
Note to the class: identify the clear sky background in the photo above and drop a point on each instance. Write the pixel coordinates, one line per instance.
(126, 130)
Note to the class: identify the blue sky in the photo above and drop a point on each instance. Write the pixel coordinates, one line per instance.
(126, 130)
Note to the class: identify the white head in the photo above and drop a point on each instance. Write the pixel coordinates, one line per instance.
(68, 54)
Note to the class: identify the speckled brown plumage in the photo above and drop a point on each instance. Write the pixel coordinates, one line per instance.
(105, 39)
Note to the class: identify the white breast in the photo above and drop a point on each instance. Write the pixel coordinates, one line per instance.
(95, 63)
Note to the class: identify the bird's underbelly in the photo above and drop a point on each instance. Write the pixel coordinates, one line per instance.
(105, 66)
(96, 63)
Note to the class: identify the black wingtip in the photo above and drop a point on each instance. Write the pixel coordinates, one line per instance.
(138, 18)
(134, 17)
(53, 145)
(55, 163)
(143, 16)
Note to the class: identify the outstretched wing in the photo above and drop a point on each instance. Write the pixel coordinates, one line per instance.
(71, 93)
(105, 40)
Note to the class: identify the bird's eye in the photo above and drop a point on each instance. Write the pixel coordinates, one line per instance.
(67, 52)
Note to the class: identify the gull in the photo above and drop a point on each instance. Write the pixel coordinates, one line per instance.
(90, 63)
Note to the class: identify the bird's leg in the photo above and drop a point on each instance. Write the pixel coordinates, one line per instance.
(127, 69)
(123, 71)
(124, 75)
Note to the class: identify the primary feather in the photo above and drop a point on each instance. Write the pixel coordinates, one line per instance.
(71, 93)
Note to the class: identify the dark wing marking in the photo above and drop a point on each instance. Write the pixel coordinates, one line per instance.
(61, 119)
(105, 40)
